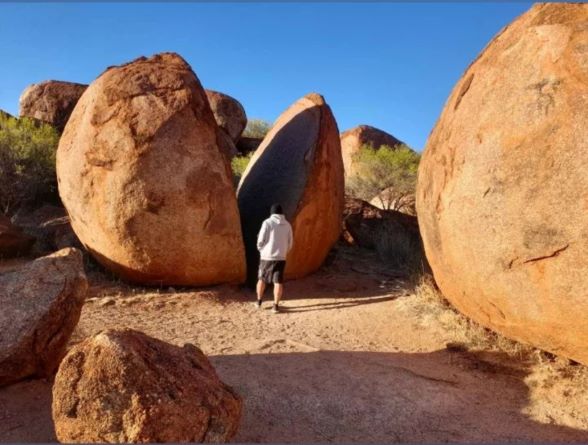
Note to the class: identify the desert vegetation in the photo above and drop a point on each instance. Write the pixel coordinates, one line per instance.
(257, 128)
(239, 164)
(27, 163)
(388, 174)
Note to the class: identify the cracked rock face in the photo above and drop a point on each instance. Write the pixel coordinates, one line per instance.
(298, 165)
(124, 386)
(503, 191)
(144, 180)
(40, 307)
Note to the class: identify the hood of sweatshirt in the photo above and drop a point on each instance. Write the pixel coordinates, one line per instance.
(278, 219)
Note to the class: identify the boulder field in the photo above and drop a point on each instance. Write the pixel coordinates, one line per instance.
(41, 303)
(298, 165)
(502, 195)
(122, 386)
(144, 180)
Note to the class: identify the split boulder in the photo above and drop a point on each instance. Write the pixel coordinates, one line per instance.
(298, 165)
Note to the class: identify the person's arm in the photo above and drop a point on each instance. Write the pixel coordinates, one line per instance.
(290, 238)
(262, 236)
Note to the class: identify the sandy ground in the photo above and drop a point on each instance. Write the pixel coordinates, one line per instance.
(349, 360)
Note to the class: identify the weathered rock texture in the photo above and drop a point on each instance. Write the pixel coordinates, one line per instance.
(123, 386)
(144, 181)
(299, 166)
(354, 139)
(13, 241)
(41, 304)
(51, 101)
(503, 190)
(228, 113)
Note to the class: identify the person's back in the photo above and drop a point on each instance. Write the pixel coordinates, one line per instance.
(273, 242)
(275, 238)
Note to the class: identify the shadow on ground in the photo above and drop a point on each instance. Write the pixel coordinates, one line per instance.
(330, 396)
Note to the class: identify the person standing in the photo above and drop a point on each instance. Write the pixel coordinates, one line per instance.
(274, 241)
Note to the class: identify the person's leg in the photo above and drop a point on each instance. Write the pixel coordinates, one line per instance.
(260, 290)
(278, 292)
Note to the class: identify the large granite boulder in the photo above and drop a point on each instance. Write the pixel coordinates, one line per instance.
(41, 303)
(122, 386)
(228, 113)
(51, 101)
(147, 188)
(299, 166)
(13, 241)
(355, 138)
(503, 191)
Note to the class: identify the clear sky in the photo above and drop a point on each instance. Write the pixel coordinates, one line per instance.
(390, 65)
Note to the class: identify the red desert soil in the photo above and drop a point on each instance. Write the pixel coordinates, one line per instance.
(357, 356)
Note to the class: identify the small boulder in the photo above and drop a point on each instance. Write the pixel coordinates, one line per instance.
(354, 139)
(41, 303)
(299, 166)
(13, 241)
(122, 386)
(51, 101)
(228, 113)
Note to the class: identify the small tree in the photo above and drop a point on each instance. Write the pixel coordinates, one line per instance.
(257, 128)
(387, 174)
(27, 162)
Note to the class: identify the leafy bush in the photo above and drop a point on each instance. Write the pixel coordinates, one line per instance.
(391, 169)
(238, 165)
(27, 162)
(257, 128)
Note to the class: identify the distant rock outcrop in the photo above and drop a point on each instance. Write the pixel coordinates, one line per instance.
(40, 307)
(502, 193)
(122, 386)
(354, 139)
(13, 241)
(144, 181)
(228, 113)
(51, 101)
(299, 166)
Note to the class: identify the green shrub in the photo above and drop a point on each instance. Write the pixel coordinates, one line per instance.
(257, 128)
(238, 165)
(387, 168)
(27, 162)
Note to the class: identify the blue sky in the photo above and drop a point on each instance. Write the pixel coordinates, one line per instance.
(390, 65)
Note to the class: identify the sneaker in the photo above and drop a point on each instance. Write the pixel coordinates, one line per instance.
(276, 309)
(257, 304)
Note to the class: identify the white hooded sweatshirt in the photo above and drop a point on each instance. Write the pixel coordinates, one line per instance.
(275, 238)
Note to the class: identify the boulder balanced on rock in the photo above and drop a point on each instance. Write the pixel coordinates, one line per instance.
(123, 386)
(503, 191)
(298, 165)
(228, 113)
(51, 101)
(40, 307)
(140, 171)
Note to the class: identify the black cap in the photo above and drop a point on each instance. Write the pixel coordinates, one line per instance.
(277, 209)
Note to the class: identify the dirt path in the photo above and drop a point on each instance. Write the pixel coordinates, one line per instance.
(347, 362)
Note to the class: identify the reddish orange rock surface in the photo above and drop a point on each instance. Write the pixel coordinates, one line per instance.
(298, 165)
(144, 181)
(124, 386)
(503, 189)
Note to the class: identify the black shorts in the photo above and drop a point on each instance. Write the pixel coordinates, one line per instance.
(271, 271)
